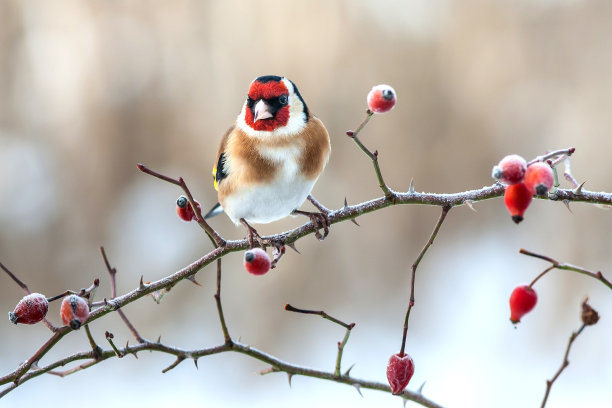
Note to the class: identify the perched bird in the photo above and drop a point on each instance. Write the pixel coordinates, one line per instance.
(270, 159)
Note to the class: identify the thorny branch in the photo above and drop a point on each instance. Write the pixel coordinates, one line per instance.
(31, 369)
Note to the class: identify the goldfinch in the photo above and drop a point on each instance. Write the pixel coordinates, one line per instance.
(270, 159)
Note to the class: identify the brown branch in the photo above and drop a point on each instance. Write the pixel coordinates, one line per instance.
(373, 155)
(413, 269)
(195, 354)
(286, 238)
(341, 344)
(321, 313)
(113, 284)
(181, 183)
(564, 364)
(226, 335)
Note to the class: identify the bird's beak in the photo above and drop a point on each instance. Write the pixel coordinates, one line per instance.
(262, 111)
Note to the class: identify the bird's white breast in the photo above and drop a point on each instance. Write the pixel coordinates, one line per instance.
(264, 203)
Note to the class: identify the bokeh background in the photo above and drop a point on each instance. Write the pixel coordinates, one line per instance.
(90, 88)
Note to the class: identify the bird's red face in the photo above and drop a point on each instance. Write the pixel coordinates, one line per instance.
(267, 104)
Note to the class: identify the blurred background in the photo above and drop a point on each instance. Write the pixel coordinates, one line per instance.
(90, 89)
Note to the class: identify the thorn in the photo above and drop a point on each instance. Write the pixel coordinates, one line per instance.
(289, 377)
(578, 190)
(420, 390)
(404, 401)
(195, 361)
(347, 373)
(159, 339)
(358, 388)
(193, 279)
(375, 154)
(141, 285)
(470, 204)
(411, 188)
(345, 203)
(292, 246)
(567, 204)
(355, 222)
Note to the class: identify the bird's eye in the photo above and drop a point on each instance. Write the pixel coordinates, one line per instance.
(282, 99)
(250, 101)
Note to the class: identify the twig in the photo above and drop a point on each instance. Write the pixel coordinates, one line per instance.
(16, 279)
(432, 237)
(181, 183)
(568, 173)
(372, 155)
(226, 335)
(341, 344)
(564, 364)
(321, 313)
(562, 152)
(568, 267)
(113, 284)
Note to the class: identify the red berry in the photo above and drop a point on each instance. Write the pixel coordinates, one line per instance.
(184, 210)
(517, 198)
(74, 311)
(539, 178)
(256, 261)
(510, 170)
(399, 372)
(30, 309)
(381, 98)
(522, 300)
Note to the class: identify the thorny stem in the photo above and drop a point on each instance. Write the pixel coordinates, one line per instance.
(564, 364)
(341, 346)
(23, 373)
(235, 347)
(372, 155)
(568, 267)
(113, 284)
(432, 237)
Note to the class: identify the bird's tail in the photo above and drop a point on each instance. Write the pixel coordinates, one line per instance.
(216, 210)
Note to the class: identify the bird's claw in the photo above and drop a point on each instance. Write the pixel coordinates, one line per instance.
(320, 220)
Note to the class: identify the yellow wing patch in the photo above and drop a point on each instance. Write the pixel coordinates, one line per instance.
(214, 174)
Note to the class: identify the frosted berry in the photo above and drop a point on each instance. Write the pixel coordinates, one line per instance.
(517, 198)
(256, 261)
(74, 311)
(184, 210)
(510, 170)
(399, 372)
(30, 309)
(539, 178)
(522, 300)
(381, 98)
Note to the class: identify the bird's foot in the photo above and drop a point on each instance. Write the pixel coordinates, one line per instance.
(320, 220)
(253, 235)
